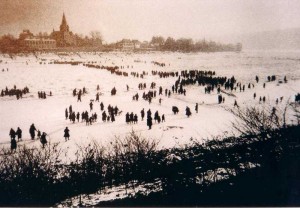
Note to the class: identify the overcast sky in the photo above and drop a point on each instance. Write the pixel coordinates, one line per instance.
(141, 19)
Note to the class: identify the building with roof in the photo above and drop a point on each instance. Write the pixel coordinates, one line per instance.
(40, 43)
(64, 37)
(125, 45)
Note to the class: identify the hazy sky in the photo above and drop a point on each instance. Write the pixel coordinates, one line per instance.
(141, 19)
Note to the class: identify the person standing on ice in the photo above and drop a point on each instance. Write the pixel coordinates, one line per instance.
(188, 112)
(13, 145)
(91, 106)
(79, 96)
(196, 108)
(235, 103)
(220, 99)
(32, 130)
(112, 117)
(127, 118)
(67, 134)
(78, 116)
(135, 119)
(149, 121)
(149, 113)
(104, 116)
(19, 134)
(70, 109)
(39, 134)
(97, 97)
(43, 139)
(142, 114)
(66, 114)
(12, 134)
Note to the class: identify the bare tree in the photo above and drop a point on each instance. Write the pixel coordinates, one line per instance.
(257, 120)
(96, 37)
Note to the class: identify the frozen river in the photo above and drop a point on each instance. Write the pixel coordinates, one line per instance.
(39, 73)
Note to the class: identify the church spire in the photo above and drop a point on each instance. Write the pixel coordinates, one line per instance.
(64, 25)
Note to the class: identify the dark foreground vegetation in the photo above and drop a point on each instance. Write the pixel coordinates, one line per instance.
(263, 173)
(258, 168)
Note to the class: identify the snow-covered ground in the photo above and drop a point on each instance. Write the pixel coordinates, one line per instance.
(48, 115)
(108, 194)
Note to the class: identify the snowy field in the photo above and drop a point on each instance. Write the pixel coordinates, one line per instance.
(48, 115)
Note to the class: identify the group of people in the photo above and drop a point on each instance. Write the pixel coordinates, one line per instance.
(41, 137)
(131, 118)
(42, 95)
(13, 134)
(79, 93)
(32, 130)
(14, 91)
(157, 117)
(163, 74)
(137, 75)
(3, 70)
(18, 133)
(158, 63)
(142, 86)
(73, 116)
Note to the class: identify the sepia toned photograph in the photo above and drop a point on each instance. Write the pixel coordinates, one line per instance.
(138, 103)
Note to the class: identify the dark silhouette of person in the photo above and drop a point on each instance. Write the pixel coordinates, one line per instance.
(13, 145)
(79, 97)
(66, 114)
(127, 118)
(32, 130)
(91, 106)
(235, 103)
(19, 134)
(188, 112)
(142, 114)
(149, 121)
(12, 134)
(163, 118)
(67, 134)
(43, 139)
(39, 134)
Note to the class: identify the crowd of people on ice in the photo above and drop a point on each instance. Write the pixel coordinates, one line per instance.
(183, 79)
(15, 92)
(90, 119)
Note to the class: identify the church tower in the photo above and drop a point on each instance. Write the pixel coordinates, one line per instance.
(64, 27)
(64, 37)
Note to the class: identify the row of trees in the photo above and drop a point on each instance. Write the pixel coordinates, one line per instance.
(9, 44)
(188, 45)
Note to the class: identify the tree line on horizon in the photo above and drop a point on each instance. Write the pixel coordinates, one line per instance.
(188, 45)
(11, 44)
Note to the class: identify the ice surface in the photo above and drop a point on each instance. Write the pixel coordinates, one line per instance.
(212, 120)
